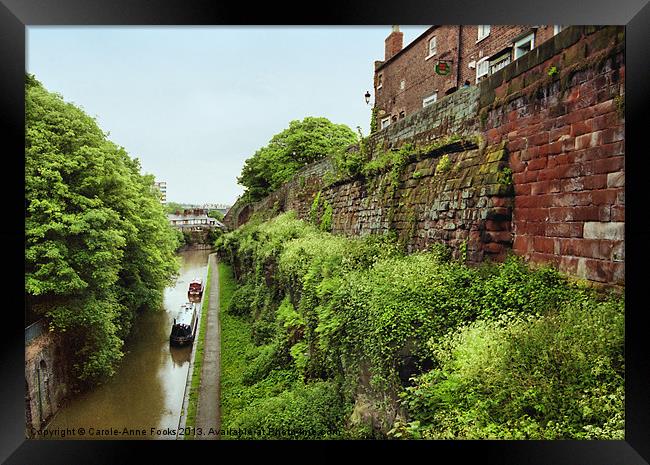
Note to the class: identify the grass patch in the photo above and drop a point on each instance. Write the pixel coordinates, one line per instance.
(235, 343)
(198, 359)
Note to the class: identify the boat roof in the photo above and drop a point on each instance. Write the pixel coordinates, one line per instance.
(185, 313)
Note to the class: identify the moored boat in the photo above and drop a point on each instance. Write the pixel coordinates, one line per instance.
(196, 287)
(184, 326)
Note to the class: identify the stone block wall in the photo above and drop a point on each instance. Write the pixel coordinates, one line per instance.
(467, 205)
(455, 114)
(47, 380)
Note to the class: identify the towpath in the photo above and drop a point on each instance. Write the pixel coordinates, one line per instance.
(208, 414)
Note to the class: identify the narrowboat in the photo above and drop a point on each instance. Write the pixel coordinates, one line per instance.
(196, 287)
(184, 326)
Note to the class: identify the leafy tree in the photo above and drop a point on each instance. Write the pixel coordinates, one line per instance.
(173, 207)
(98, 244)
(216, 214)
(303, 142)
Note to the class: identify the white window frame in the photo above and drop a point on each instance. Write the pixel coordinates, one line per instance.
(435, 47)
(557, 28)
(431, 99)
(479, 63)
(385, 122)
(502, 58)
(483, 32)
(530, 38)
(380, 80)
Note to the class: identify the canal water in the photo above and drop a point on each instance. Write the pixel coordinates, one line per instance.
(147, 390)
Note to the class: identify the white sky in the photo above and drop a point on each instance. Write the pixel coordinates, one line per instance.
(192, 103)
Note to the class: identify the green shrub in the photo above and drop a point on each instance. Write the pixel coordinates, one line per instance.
(349, 162)
(311, 411)
(505, 177)
(262, 331)
(342, 306)
(264, 360)
(242, 299)
(556, 376)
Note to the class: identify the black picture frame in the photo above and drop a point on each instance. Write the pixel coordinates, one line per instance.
(16, 15)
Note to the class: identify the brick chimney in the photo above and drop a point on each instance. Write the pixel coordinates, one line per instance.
(393, 43)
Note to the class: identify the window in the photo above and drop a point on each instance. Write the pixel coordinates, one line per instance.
(402, 84)
(482, 68)
(430, 99)
(525, 45)
(432, 47)
(380, 79)
(483, 31)
(385, 122)
(499, 62)
(557, 28)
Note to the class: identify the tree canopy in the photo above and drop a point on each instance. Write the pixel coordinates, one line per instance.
(303, 142)
(98, 244)
(173, 207)
(216, 214)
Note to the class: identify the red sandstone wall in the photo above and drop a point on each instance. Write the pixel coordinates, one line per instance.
(565, 136)
(558, 111)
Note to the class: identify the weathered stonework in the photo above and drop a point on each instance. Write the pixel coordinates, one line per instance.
(467, 203)
(564, 131)
(47, 381)
(554, 118)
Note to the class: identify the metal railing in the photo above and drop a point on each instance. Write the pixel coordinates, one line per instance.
(34, 330)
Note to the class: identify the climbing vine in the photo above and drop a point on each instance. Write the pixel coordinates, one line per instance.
(373, 120)
(326, 219)
(313, 211)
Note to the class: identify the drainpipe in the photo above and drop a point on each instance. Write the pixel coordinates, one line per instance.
(458, 57)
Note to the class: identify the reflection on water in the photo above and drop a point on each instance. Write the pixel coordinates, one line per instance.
(180, 355)
(147, 390)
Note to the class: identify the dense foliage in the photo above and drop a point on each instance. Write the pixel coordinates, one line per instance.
(216, 214)
(173, 207)
(405, 343)
(256, 403)
(557, 376)
(301, 143)
(98, 244)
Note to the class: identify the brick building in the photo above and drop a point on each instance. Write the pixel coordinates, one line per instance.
(193, 218)
(443, 59)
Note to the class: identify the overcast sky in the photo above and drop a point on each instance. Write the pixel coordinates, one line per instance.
(193, 103)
